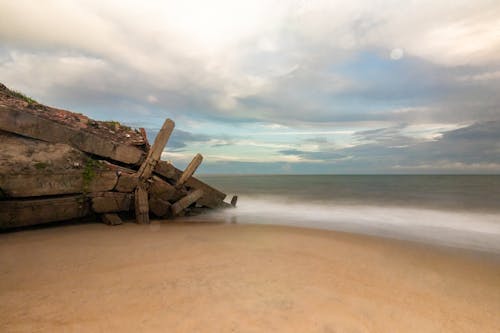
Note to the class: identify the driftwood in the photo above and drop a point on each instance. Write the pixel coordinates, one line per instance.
(56, 165)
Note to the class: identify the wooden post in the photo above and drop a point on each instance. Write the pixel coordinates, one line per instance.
(191, 168)
(141, 205)
(146, 170)
(155, 152)
(183, 203)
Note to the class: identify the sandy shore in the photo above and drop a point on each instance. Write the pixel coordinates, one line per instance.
(239, 278)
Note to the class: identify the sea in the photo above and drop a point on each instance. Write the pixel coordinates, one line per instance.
(458, 211)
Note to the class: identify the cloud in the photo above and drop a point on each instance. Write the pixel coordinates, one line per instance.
(245, 61)
(467, 147)
(475, 147)
(316, 156)
(352, 80)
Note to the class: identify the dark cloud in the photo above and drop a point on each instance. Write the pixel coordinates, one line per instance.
(321, 140)
(387, 135)
(473, 145)
(472, 148)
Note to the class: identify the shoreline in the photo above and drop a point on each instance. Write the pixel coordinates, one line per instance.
(193, 275)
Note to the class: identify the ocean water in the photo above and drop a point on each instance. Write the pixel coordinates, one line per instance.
(450, 210)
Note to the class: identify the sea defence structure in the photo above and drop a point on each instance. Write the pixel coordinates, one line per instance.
(57, 165)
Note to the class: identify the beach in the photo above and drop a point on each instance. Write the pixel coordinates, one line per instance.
(219, 277)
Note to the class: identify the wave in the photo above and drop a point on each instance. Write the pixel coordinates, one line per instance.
(478, 231)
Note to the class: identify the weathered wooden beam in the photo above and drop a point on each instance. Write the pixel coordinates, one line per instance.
(146, 171)
(107, 202)
(211, 198)
(186, 201)
(55, 183)
(154, 153)
(111, 219)
(17, 213)
(27, 124)
(141, 204)
(190, 169)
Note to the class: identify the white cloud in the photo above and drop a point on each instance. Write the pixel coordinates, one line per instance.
(278, 64)
(152, 99)
(156, 37)
(484, 76)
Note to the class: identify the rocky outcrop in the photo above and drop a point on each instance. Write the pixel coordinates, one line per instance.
(58, 165)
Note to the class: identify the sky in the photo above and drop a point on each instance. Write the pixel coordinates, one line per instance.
(266, 87)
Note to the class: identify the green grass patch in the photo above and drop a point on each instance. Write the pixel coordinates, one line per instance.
(115, 125)
(23, 97)
(40, 165)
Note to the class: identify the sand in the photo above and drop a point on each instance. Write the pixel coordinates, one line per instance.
(239, 278)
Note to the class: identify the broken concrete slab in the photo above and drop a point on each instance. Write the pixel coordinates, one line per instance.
(111, 219)
(18, 213)
(211, 198)
(29, 125)
(107, 202)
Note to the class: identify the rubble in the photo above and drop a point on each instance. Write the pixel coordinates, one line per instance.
(57, 165)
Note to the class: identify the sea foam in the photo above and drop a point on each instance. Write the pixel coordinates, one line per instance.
(462, 229)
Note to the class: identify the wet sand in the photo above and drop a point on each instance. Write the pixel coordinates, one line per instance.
(239, 278)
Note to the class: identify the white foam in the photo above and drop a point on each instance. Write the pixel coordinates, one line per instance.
(451, 228)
